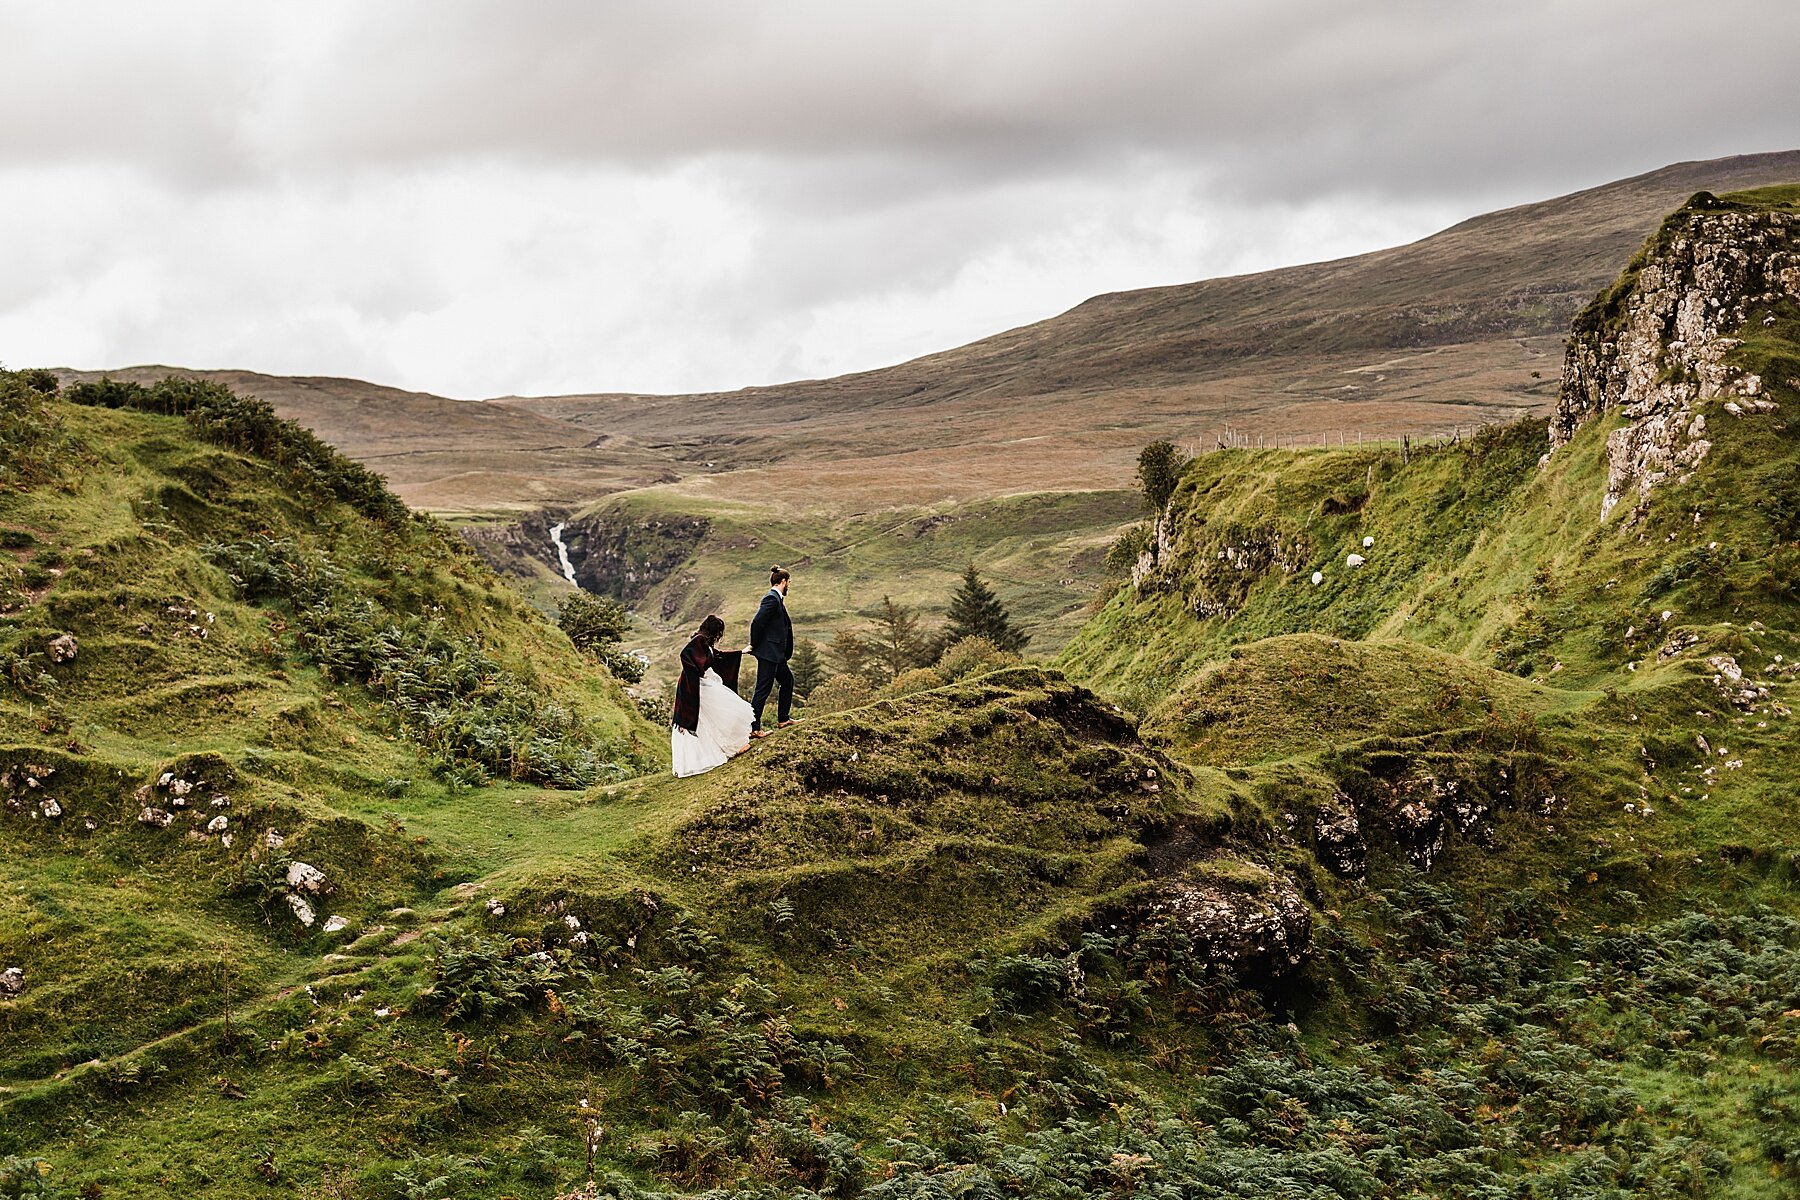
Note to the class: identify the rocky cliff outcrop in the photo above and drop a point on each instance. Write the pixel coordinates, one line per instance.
(613, 553)
(1656, 346)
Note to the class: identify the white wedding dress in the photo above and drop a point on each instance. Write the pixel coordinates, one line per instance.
(722, 730)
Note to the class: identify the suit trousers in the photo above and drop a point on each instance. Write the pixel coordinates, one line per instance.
(768, 674)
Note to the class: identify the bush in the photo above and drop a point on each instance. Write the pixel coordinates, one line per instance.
(1124, 553)
(250, 426)
(1159, 469)
(31, 439)
(974, 656)
(449, 694)
(919, 679)
(841, 692)
(593, 621)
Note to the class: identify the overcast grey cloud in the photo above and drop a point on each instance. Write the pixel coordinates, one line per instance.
(484, 198)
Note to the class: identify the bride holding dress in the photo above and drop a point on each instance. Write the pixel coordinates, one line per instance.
(712, 722)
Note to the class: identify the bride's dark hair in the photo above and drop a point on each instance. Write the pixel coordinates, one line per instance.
(712, 629)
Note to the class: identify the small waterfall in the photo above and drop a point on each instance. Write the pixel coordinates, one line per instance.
(562, 551)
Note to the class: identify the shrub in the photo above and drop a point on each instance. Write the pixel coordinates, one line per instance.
(1159, 469)
(591, 621)
(974, 656)
(448, 693)
(250, 426)
(1124, 553)
(841, 692)
(919, 679)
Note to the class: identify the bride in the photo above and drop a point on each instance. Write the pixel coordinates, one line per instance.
(712, 722)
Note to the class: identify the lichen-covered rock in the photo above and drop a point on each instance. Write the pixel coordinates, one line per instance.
(1338, 840)
(63, 647)
(1657, 351)
(303, 877)
(1728, 677)
(1254, 922)
(336, 924)
(157, 817)
(12, 982)
(303, 912)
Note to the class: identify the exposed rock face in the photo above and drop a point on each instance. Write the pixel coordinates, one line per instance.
(626, 558)
(1338, 840)
(612, 554)
(1657, 352)
(12, 983)
(1227, 562)
(1256, 927)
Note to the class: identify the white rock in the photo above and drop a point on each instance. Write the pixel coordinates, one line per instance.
(495, 907)
(303, 912)
(63, 647)
(51, 808)
(225, 840)
(272, 839)
(304, 878)
(1318, 578)
(1354, 560)
(156, 817)
(1731, 407)
(572, 921)
(335, 923)
(12, 982)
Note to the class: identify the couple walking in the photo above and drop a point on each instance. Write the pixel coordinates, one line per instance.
(712, 722)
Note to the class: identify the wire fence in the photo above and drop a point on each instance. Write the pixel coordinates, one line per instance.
(1226, 438)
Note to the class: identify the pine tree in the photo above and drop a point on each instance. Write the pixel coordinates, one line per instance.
(849, 654)
(895, 644)
(808, 668)
(976, 612)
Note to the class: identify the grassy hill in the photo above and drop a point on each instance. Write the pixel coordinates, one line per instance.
(1467, 870)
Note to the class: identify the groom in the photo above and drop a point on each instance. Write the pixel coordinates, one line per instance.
(772, 643)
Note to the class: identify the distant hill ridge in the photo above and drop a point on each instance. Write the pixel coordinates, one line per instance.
(1458, 329)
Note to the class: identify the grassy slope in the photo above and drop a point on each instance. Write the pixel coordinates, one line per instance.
(123, 929)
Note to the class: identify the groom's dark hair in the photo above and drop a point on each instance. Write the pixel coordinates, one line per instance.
(777, 575)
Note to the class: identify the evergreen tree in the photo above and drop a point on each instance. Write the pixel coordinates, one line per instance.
(808, 668)
(1159, 469)
(895, 644)
(848, 654)
(976, 612)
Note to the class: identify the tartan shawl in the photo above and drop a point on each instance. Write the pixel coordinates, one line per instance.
(696, 657)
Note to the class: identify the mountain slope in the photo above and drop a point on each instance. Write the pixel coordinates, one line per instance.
(1442, 333)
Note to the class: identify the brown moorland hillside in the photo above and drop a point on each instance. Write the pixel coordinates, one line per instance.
(1458, 329)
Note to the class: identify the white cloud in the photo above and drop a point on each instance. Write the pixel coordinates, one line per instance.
(481, 198)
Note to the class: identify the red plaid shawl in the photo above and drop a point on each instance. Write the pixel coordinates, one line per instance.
(696, 657)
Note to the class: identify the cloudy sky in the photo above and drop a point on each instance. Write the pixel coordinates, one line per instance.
(487, 198)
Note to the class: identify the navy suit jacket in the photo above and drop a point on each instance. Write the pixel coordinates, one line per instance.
(771, 633)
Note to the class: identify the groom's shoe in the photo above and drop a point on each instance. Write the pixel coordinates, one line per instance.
(789, 721)
(759, 733)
